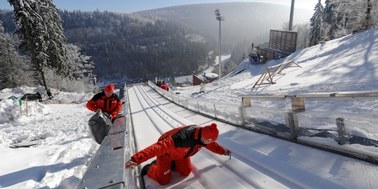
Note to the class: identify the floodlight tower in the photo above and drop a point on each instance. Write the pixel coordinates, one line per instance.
(220, 19)
(291, 15)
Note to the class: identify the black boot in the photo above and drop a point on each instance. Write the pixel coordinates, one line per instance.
(146, 167)
(173, 165)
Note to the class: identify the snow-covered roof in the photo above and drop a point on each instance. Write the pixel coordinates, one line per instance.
(184, 79)
(209, 75)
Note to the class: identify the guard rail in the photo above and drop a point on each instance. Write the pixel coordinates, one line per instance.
(300, 118)
(106, 168)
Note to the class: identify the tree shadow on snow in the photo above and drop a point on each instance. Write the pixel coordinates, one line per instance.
(37, 173)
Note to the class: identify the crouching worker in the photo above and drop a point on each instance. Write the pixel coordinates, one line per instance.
(173, 151)
(107, 101)
(164, 86)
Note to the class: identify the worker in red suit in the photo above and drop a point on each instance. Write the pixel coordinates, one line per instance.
(164, 86)
(107, 101)
(173, 151)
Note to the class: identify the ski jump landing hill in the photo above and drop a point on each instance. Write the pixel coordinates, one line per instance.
(106, 169)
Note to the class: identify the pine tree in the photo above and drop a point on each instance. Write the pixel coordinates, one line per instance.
(356, 16)
(316, 24)
(374, 12)
(56, 50)
(32, 33)
(342, 17)
(330, 19)
(367, 23)
(40, 30)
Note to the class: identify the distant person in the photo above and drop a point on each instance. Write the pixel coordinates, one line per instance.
(164, 86)
(251, 57)
(202, 87)
(173, 151)
(107, 101)
(49, 94)
(158, 83)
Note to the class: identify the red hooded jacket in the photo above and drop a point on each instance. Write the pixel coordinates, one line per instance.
(178, 143)
(164, 86)
(112, 105)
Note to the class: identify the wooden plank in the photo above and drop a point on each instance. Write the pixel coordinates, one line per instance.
(25, 144)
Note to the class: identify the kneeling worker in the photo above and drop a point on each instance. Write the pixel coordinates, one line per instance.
(173, 151)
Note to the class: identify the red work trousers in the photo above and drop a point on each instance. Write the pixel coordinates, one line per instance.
(161, 171)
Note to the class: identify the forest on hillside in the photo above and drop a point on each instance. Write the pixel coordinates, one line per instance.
(139, 48)
(120, 45)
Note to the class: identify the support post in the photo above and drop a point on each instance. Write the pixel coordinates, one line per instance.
(341, 131)
(291, 15)
(20, 102)
(26, 107)
(220, 19)
(297, 103)
(246, 102)
(292, 123)
(215, 111)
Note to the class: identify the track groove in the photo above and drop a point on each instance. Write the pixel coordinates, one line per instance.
(163, 119)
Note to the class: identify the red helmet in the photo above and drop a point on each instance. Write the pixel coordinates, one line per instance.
(210, 132)
(109, 88)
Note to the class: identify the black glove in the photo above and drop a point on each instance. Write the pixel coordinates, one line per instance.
(228, 153)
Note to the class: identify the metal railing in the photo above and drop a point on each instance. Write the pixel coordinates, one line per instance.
(300, 117)
(106, 168)
(297, 110)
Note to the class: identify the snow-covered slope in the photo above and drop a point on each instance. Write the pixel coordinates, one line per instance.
(345, 64)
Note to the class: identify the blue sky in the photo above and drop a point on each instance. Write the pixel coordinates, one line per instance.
(128, 6)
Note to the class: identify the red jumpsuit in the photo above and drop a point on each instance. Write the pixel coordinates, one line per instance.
(164, 86)
(111, 105)
(176, 145)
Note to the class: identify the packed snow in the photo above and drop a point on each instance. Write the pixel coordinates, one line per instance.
(63, 145)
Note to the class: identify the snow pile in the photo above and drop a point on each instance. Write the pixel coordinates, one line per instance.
(14, 110)
(62, 142)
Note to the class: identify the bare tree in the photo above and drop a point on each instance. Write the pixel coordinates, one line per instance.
(14, 68)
